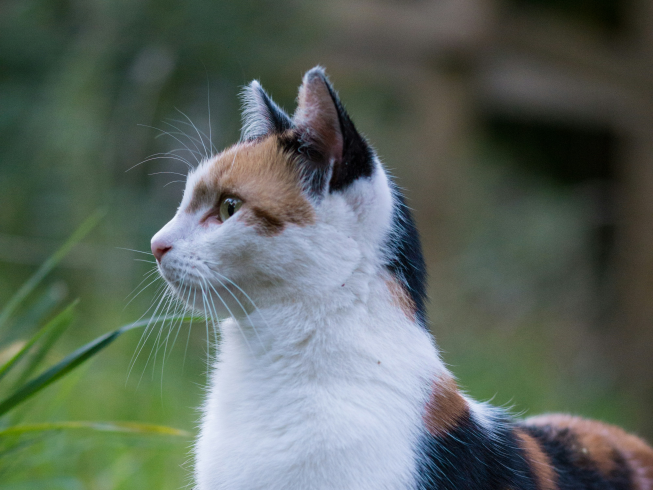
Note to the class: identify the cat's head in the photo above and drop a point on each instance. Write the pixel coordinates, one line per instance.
(299, 208)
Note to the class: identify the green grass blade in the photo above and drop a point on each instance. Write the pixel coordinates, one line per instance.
(49, 340)
(37, 312)
(72, 361)
(115, 427)
(57, 325)
(49, 264)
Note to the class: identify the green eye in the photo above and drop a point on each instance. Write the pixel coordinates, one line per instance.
(228, 207)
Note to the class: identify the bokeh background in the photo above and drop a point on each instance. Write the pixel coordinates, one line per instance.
(521, 130)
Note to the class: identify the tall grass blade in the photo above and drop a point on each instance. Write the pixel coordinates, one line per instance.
(72, 361)
(49, 264)
(116, 427)
(55, 326)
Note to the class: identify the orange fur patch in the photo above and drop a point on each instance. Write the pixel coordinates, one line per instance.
(445, 408)
(600, 442)
(538, 461)
(401, 298)
(265, 179)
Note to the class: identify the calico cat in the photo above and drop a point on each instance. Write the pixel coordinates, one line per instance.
(328, 377)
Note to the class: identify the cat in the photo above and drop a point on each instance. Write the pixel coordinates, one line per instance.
(327, 376)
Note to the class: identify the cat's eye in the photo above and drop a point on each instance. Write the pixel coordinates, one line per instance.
(228, 207)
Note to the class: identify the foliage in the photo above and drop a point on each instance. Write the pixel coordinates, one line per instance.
(17, 383)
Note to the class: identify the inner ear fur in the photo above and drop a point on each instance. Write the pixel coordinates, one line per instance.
(317, 116)
(261, 116)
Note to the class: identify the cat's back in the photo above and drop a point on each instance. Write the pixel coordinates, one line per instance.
(568, 452)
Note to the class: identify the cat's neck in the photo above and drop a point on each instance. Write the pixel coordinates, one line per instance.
(369, 314)
(316, 391)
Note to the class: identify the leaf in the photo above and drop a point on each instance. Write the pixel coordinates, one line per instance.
(55, 327)
(49, 264)
(117, 427)
(73, 360)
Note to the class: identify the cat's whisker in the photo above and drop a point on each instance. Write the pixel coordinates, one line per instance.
(206, 152)
(173, 173)
(134, 250)
(213, 147)
(164, 132)
(185, 308)
(214, 310)
(192, 139)
(175, 182)
(169, 298)
(146, 261)
(146, 276)
(161, 156)
(242, 307)
(208, 345)
(160, 296)
(241, 290)
(232, 315)
(158, 343)
(142, 289)
(208, 106)
(178, 310)
(190, 326)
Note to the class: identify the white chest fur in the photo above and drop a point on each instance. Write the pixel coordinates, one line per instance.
(319, 399)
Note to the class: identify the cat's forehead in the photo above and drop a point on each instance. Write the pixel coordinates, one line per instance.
(261, 174)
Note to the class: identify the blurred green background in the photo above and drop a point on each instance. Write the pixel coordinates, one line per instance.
(522, 131)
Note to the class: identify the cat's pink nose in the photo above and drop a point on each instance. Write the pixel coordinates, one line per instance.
(160, 248)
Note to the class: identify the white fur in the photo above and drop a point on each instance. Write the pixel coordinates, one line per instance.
(324, 385)
(255, 121)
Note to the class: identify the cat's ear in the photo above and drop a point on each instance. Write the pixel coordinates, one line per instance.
(261, 116)
(317, 117)
(328, 132)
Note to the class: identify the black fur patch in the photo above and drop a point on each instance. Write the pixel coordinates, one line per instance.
(575, 469)
(467, 458)
(281, 122)
(407, 262)
(312, 166)
(357, 157)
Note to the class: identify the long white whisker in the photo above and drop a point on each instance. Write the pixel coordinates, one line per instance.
(242, 291)
(213, 147)
(170, 299)
(143, 289)
(244, 310)
(231, 314)
(160, 296)
(189, 330)
(178, 309)
(161, 156)
(208, 345)
(146, 261)
(155, 348)
(134, 250)
(192, 139)
(213, 311)
(163, 132)
(174, 182)
(181, 320)
(206, 152)
(146, 277)
(173, 173)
